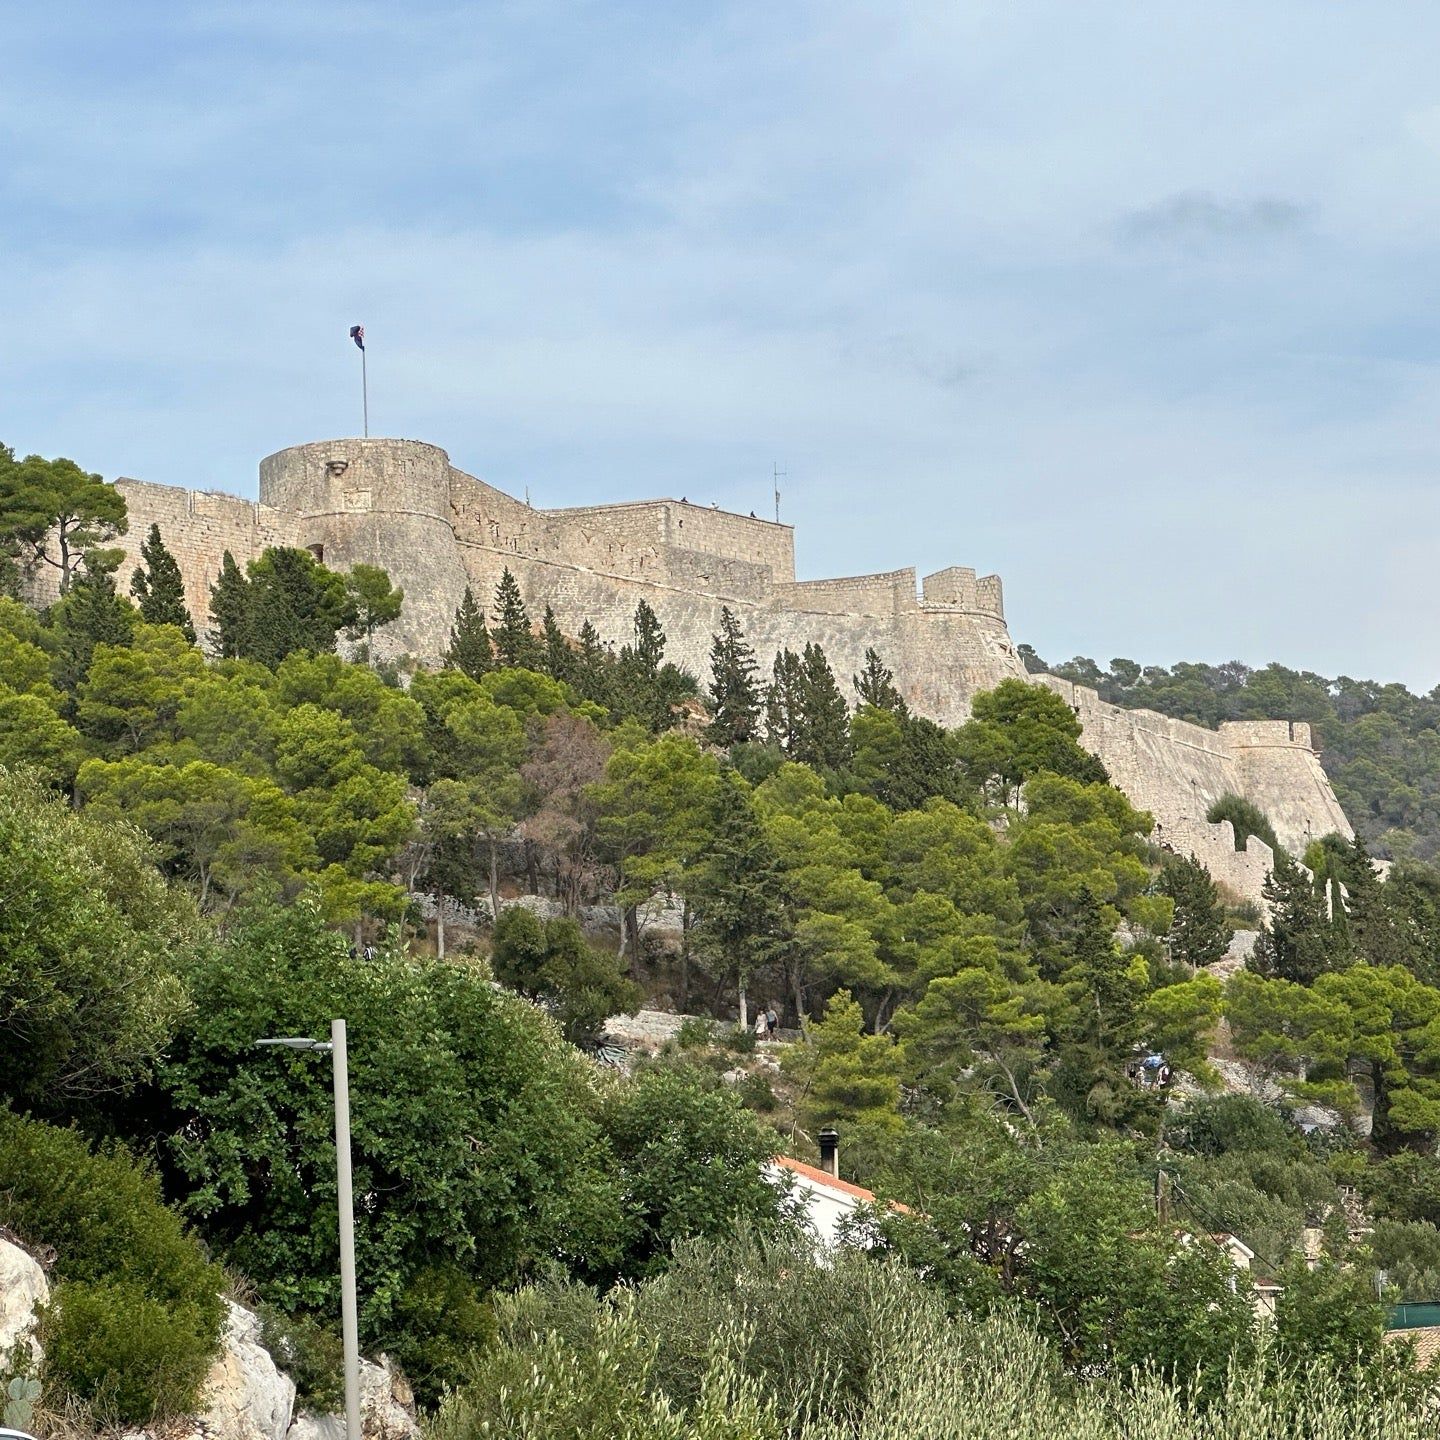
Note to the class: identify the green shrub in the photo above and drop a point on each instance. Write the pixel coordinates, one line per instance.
(695, 1033)
(744, 1343)
(740, 1040)
(102, 1213)
(311, 1353)
(757, 1092)
(138, 1309)
(441, 1319)
(1247, 818)
(122, 1353)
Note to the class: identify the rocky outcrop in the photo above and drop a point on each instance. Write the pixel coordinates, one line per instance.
(387, 1409)
(23, 1290)
(246, 1395)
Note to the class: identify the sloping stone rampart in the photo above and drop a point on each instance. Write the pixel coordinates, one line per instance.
(1177, 771)
(402, 505)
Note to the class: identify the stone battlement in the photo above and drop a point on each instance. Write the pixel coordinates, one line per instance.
(402, 505)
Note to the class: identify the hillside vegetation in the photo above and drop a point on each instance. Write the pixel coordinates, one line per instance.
(969, 932)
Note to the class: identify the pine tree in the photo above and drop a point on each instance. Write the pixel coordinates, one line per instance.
(160, 588)
(783, 718)
(824, 739)
(559, 657)
(734, 695)
(230, 610)
(515, 644)
(470, 651)
(1199, 934)
(875, 685)
(376, 601)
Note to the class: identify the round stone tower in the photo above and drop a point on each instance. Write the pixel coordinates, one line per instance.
(378, 502)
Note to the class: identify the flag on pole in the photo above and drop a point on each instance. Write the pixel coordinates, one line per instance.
(357, 334)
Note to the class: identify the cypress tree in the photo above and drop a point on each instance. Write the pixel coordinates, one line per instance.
(734, 695)
(824, 739)
(294, 603)
(470, 650)
(649, 640)
(90, 614)
(739, 892)
(593, 668)
(875, 685)
(1198, 934)
(515, 643)
(160, 588)
(559, 657)
(648, 689)
(783, 719)
(1300, 942)
(230, 610)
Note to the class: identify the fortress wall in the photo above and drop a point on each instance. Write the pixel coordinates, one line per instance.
(197, 526)
(991, 592)
(642, 523)
(385, 503)
(1177, 771)
(939, 658)
(487, 516)
(736, 537)
(1242, 872)
(885, 594)
(1174, 770)
(1288, 783)
(1266, 732)
(954, 585)
(737, 580)
(958, 586)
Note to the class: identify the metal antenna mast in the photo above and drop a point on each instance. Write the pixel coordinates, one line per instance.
(776, 476)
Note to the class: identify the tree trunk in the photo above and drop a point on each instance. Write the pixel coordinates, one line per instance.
(744, 1005)
(494, 879)
(685, 958)
(440, 926)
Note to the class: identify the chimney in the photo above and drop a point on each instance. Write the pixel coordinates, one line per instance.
(830, 1151)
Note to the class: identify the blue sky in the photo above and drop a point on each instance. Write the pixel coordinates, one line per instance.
(1135, 304)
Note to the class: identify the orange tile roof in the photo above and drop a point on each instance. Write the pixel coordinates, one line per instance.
(824, 1177)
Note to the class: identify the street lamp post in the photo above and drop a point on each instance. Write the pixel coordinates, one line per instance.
(344, 1198)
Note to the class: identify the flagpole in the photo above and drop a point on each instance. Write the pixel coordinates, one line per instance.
(365, 392)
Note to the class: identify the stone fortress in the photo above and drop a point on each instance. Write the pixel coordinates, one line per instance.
(402, 505)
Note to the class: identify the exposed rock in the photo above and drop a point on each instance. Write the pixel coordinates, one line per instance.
(651, 1028)
(23, 1289)
(387, 1409)
(1236, 957)
(246, 1397)
(1241, 1078)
